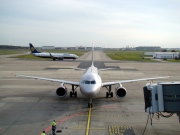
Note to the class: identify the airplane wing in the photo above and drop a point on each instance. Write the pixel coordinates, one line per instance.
(135, 80)
(49, 79)
(56, 57)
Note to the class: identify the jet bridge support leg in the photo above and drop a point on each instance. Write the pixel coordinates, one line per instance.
(178, 114)
(73, 92)
(109, 93)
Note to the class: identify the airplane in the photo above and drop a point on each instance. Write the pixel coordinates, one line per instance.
(54, 56)
(91, 83)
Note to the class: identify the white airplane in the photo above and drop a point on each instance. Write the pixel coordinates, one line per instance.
(91, 83)
(54, 56)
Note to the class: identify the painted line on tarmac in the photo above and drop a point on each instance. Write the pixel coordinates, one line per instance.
(120, 130)
(88, 122)
(92, 128)
(72, 116)
(63, 120)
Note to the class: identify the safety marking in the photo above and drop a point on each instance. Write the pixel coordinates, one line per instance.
(83, 127)
(88, 123)
(110, 116)
(70, 117)
(93, 115)
(114, 116)
(63, 120)
(120, 130)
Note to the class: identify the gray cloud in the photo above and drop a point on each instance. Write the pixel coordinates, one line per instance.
(80, 22)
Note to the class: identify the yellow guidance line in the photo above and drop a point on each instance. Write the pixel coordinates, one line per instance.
(89, 120)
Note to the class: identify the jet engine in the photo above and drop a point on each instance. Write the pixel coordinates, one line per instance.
(61, 58)
(120, 92)
(61, 91)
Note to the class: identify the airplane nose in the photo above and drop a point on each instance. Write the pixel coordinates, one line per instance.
(89, 91)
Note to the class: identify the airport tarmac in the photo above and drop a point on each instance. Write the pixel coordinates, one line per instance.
(28, 106)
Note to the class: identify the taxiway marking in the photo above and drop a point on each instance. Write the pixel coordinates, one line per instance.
(63, 120)
(120, 130)
(89, 120)
(75, 115)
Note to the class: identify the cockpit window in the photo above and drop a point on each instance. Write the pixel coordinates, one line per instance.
(88, 82)
(93, 82)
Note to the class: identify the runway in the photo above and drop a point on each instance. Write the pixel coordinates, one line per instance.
(28, 106)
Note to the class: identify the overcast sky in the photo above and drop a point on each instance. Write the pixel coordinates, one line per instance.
(105, 23)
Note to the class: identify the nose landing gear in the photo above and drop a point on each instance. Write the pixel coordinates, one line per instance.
(90, 103)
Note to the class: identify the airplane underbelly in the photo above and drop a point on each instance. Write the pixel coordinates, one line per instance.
(69, 58)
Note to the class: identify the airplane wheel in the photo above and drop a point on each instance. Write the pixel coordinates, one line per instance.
(75, 94)
(107, 94)
(71, 94)
(111, 94)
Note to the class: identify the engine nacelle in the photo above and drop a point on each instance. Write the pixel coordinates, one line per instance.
(120, 92)
(61, 58)
(61, 91)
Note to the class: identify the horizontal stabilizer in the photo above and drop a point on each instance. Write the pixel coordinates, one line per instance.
(79, 69)
(104, 69)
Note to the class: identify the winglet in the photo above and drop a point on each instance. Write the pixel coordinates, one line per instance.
(33, 50)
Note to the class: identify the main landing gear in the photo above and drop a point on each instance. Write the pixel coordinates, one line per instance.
(109, 93)
(73, 92)
(90, 103)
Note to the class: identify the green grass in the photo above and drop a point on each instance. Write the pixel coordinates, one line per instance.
(11, 51)
(127, 55)
(173, 60)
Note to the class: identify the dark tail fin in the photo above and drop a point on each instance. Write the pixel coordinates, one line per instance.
(33, 50)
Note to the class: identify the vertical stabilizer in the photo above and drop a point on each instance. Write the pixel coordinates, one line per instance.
(92, 55)
(33, 50)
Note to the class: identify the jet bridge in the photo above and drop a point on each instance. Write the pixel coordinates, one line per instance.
(162, 98)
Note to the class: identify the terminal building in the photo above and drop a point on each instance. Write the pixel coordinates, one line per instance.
(148, 48)
(167, 55)
(48, 47)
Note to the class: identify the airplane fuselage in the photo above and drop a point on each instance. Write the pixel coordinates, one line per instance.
(57, 55)
(90, 83)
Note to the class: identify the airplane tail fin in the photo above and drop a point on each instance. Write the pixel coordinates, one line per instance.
(33, 50)
(92, 55)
